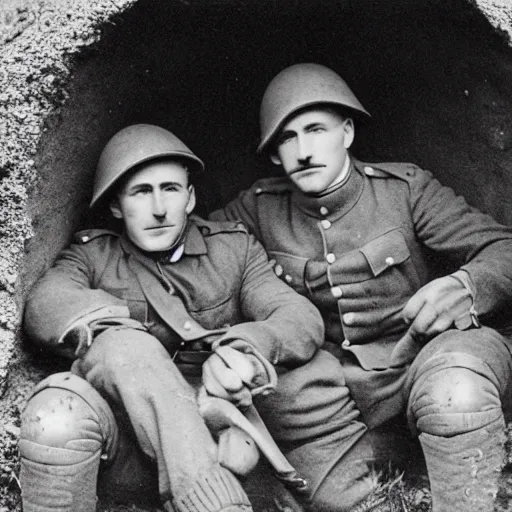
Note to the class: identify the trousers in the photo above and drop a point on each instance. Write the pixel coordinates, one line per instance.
(125, 404)
(331, 412)
(452, 395)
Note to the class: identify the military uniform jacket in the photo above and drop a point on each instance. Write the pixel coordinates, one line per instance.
(223, 278)
(367, 247)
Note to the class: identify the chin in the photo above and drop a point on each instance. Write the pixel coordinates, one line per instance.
(309, 189)
(154, 246)
(309, 186)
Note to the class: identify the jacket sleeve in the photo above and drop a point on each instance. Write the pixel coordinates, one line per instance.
(285, 327)
(243, 208)
(482, 247)
(63, 296)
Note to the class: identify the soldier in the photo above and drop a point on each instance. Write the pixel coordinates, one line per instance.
(125, 307)
(355, 238)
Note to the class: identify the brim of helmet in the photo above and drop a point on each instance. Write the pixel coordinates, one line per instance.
(359, 114)
(198, 167)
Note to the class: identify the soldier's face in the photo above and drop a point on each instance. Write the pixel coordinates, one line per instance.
(312, 147)
(154, 204)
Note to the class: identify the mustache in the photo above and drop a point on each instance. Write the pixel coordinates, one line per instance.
(306, 167)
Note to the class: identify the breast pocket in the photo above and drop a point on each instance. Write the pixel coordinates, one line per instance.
(291, 269)
(389, 278)
(385, 252)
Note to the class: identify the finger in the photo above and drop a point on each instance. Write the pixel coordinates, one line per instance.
(441, 324)
(459, 306)
(464, 321)
(421, 323)
(242, 399)
(260, 372)
(212, 385)
(455, 309)
(238, 362)
(413, 306)
(226, 377)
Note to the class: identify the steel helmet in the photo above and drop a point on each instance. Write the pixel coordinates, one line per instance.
(299, 86)
(132, 146)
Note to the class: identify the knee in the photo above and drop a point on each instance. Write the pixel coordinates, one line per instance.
(454, 400)
(125, 350)
(57, 421)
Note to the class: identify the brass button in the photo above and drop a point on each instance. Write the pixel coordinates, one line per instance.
(330, 258)
(390, 261)
(326, 224)
(345, 344)
(336, 292)
(370, 171)
(187, 325)
(324, 210)
(348, 318)
(278, 269)
(288, 278)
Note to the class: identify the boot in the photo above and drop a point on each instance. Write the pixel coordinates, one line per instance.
(61, 444)
(59, 487)
(464, 470)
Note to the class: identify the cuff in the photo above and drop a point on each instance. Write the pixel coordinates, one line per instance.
(216, 491)
(465, 279)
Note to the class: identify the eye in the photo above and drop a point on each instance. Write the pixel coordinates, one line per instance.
(284, 138)
(141, 191)
(171, 187)
(317, 129)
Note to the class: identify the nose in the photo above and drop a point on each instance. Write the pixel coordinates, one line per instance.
(304, 149)
(158, 206)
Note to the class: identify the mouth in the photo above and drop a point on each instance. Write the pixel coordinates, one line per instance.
(305, 169)
(156, 228)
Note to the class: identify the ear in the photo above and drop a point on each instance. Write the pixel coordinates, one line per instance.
(191, 199)
(115, 209)
(349, 130)
(274, 157)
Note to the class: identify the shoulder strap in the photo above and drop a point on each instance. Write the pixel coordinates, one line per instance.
(402, 171)
(87, 235)
(277, 185)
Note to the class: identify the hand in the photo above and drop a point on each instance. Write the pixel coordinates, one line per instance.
(436, 307)
(254, 369)
(222, 381)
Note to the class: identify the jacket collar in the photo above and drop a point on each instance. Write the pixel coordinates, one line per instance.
(336, 203)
